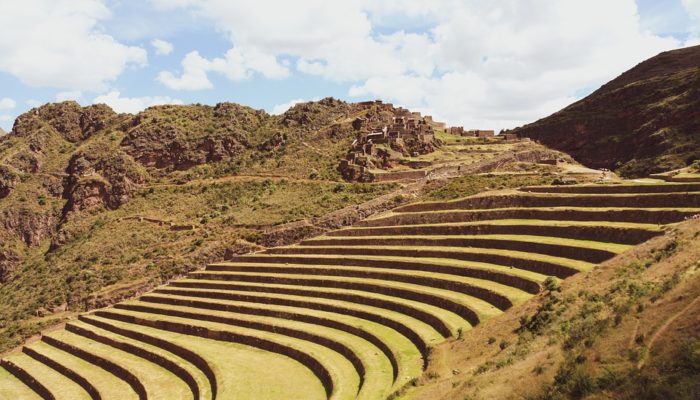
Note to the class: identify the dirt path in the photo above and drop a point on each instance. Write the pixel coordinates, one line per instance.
(664, 327)
(630, 345)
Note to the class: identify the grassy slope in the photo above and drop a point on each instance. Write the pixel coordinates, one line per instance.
(88, 257)
(642, 122)
(229, 171)
(627, 329)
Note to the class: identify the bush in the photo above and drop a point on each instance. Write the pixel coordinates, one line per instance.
(550, 284)
(695, 166)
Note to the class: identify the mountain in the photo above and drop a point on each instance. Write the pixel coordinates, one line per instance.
(2, 132)
(97, 205)
(646, 120)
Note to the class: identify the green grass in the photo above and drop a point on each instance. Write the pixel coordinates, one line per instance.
(13, 388)
(159, 382)
(472, 184)
(584, 244)
(378, 378)
(427, 262)
(407, 355)
(105, 253)
(59, 385)
(536, 222)
(242, 371)
(198, 375)
(109, 386)
(482, 308)
(425, 331)
(561, 208)
(567, 262)
(515, 295)
(346, 381)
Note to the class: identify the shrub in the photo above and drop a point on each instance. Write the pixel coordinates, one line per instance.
(690, 355)
(610, 379)
(504, 344)
(695, 166)
(550, 284)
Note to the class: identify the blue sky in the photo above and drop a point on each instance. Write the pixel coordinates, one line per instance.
(495, 64)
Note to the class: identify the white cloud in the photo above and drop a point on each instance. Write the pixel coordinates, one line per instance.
(282, 108)
(162, 47)
(482, 64)
(693, 8)
(132, 104)
(6, 122)
(237, 64)
(692, 41)
(33, 103)
(69, 95)
(193, 77)
(7, 103)
(59, 43)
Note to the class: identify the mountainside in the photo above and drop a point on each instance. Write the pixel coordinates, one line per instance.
(626, 330)
(97, 206)
(646, 120)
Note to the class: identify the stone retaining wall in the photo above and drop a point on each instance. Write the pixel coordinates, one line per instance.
(631, 236)
(180, 351)
(67, 372)
(187, 329)
(115, 369)
(642, 216)
(542, 267)
(332, 344)
(657, 200)
(460, 309)
(309, 319)
(556, 250)
(499, 301)
(155, 358)
(26, 378)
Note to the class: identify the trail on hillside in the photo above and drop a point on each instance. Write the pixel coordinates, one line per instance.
(664, 327)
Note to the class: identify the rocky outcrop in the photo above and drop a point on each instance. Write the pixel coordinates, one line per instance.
(101, 176)
(73, 122)
(315, 115)
(9, 259)
(647, 120)
(8, 180)
(29, 225)
(180, 137)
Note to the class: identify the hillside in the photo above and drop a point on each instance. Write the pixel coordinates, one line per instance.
(539, 285)
(646, 120)
(625, 330)
(97, 206)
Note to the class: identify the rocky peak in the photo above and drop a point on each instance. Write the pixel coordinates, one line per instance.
(180, 137)
(101, 176)
(314, 115)
(644, 121)
(73, 122)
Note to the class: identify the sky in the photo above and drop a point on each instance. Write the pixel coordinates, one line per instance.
(479, 64)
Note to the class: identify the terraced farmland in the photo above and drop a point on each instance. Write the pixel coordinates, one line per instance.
(352, 314)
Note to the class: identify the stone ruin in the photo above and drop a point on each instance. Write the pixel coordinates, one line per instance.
(384, 136)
